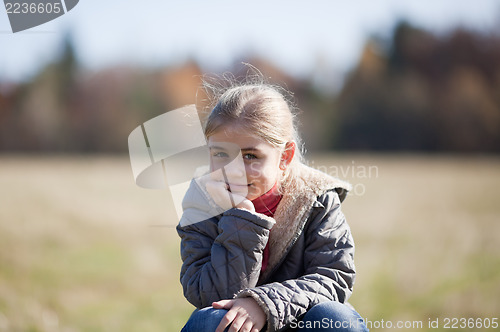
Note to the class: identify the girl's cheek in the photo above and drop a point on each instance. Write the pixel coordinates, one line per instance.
(216, 165)
(254, 170)
(270, 171)
(216, 173)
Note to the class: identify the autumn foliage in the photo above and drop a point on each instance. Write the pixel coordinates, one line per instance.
(418, 91)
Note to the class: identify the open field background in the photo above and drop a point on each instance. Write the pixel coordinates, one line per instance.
(83, 249)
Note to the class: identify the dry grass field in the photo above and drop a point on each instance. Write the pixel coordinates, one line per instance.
(84, 249)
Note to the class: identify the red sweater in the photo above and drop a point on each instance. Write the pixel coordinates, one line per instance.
(267, 204)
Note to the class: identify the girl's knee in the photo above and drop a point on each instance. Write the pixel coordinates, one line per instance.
(335, 316)
(206, 319)
(332, 308)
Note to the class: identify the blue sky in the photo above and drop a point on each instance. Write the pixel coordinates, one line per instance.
(295, 35)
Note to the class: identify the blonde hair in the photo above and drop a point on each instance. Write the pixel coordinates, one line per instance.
(256, 107)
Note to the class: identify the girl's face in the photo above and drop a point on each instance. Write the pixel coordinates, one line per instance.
(251, 166)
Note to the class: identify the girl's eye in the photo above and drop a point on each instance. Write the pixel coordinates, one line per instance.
(249, 156)
(220, 155)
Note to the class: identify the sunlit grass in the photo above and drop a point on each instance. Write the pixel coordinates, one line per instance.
(84, 249)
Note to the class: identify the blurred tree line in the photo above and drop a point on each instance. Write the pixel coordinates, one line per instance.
(416, 91)
(423, 92)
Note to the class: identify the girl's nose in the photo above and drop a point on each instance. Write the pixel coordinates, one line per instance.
(234, 171)
(236, 168)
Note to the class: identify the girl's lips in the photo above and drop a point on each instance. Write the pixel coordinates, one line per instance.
(238, 185)
(238, 188)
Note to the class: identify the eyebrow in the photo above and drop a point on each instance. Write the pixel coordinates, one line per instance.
(216, 147)
(249, 149)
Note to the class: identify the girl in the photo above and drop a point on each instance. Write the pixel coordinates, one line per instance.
(280, 254)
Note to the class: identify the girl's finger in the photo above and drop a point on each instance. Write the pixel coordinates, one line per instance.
(248, 326)
(223, 304)
(226, 321)
(219, 193)
(237, 323)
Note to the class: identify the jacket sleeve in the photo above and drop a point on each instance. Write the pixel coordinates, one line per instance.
(222, 256)
(329, 268)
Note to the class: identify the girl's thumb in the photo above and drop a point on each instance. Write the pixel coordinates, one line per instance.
(223, 304)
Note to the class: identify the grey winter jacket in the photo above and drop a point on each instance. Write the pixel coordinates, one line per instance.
(311, 251)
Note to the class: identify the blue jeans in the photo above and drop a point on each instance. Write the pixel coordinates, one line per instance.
(325, 317)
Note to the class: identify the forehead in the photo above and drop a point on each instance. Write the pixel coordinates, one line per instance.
(237, 138)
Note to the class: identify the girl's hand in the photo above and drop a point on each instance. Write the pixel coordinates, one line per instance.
(219, 191)
(244, 315)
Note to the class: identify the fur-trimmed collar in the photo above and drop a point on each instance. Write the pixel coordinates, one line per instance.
(302, 190)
